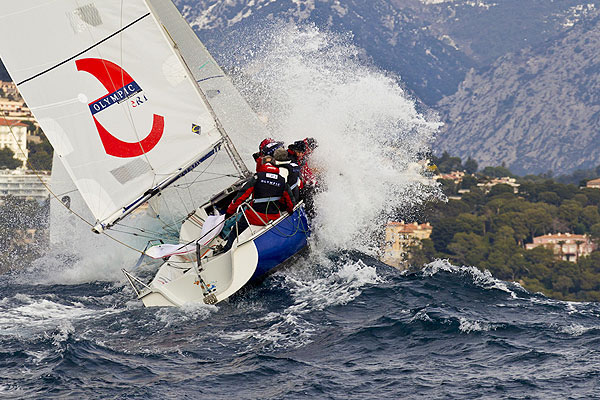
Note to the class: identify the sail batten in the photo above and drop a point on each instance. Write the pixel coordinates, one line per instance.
(83, 51)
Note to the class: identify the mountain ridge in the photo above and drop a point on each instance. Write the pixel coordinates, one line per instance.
(537, 110)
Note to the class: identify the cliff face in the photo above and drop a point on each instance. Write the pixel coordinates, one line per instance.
(394, 35)
(535, 110)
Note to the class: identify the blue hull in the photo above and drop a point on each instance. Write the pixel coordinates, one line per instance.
(281, 242)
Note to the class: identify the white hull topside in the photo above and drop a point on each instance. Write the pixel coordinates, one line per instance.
(181, 280)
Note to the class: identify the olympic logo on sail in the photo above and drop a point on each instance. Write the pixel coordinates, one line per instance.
(120, 86)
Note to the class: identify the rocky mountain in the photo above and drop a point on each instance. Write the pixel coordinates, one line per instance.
(535, 110)
(524, 67)
(393, 37)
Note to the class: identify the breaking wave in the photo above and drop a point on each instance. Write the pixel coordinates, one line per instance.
(306, 82)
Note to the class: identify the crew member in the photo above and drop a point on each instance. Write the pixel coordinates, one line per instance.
(266, 148)
(299, 152)
(270, 193)
(291, 169)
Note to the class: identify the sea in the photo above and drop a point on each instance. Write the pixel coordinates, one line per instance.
(335, 323)
(343, 326)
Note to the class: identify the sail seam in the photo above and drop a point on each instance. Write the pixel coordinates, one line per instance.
(83, 51)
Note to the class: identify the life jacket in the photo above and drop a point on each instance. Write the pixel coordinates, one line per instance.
(293, 176)
(269, 193)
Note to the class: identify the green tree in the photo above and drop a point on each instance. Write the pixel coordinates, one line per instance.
(470, 166)
(595, 232)
(468, 182)
(537, 221)
(468, 248)
(593, 195)
(569, 211)
(447, 164)
(581, 199)
(8, 160)
(40, 155)
(497, 172)
(470, 223)
(590, 216)
(500, 188)
(448, 186)
(549, 197)
(442, 233)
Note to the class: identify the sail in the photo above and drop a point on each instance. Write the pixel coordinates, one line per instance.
(111, 93)
(235, 114)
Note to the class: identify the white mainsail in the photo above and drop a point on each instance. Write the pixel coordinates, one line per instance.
(111, 93)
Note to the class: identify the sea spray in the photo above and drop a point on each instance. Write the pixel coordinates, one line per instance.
(306, 82)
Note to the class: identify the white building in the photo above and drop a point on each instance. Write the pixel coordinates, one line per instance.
(9, 130)
(23, 184)
(399, 237)
(566, 246)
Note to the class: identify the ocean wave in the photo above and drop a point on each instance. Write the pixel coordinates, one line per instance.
(483, 279)
(467, 326)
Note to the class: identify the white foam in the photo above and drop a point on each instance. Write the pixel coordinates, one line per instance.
(314, 84)
(483, 279)
(467, 326)
(311, 289)
(188, 312)
(27, 316)
(576, 329)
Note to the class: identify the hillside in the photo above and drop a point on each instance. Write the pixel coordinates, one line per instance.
(535, 110)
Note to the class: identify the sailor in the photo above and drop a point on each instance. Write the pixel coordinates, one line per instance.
(266, 149)
(299, 153)
(270, 194)
(289, 170)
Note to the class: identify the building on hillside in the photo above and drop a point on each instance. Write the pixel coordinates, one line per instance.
(9, 131)
(567, 246)
(399, 237)
(24, 184)
(594, 183)
(496, 181)
(13, 108)
(454, 176)
(9, 88)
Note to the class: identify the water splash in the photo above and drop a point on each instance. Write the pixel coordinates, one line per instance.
(306, 82)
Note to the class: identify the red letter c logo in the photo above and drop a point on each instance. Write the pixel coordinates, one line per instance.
(116, 79)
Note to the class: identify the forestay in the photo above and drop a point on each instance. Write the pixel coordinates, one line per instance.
(111, 93)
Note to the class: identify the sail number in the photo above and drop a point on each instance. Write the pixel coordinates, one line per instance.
(138, 101)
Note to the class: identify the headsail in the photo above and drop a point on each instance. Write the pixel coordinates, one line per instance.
(112, 95)
(235, 114)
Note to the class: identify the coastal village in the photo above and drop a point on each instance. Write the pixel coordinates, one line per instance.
(401, 236)
(18, 132)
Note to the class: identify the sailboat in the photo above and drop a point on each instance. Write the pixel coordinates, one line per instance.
(138, 112)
